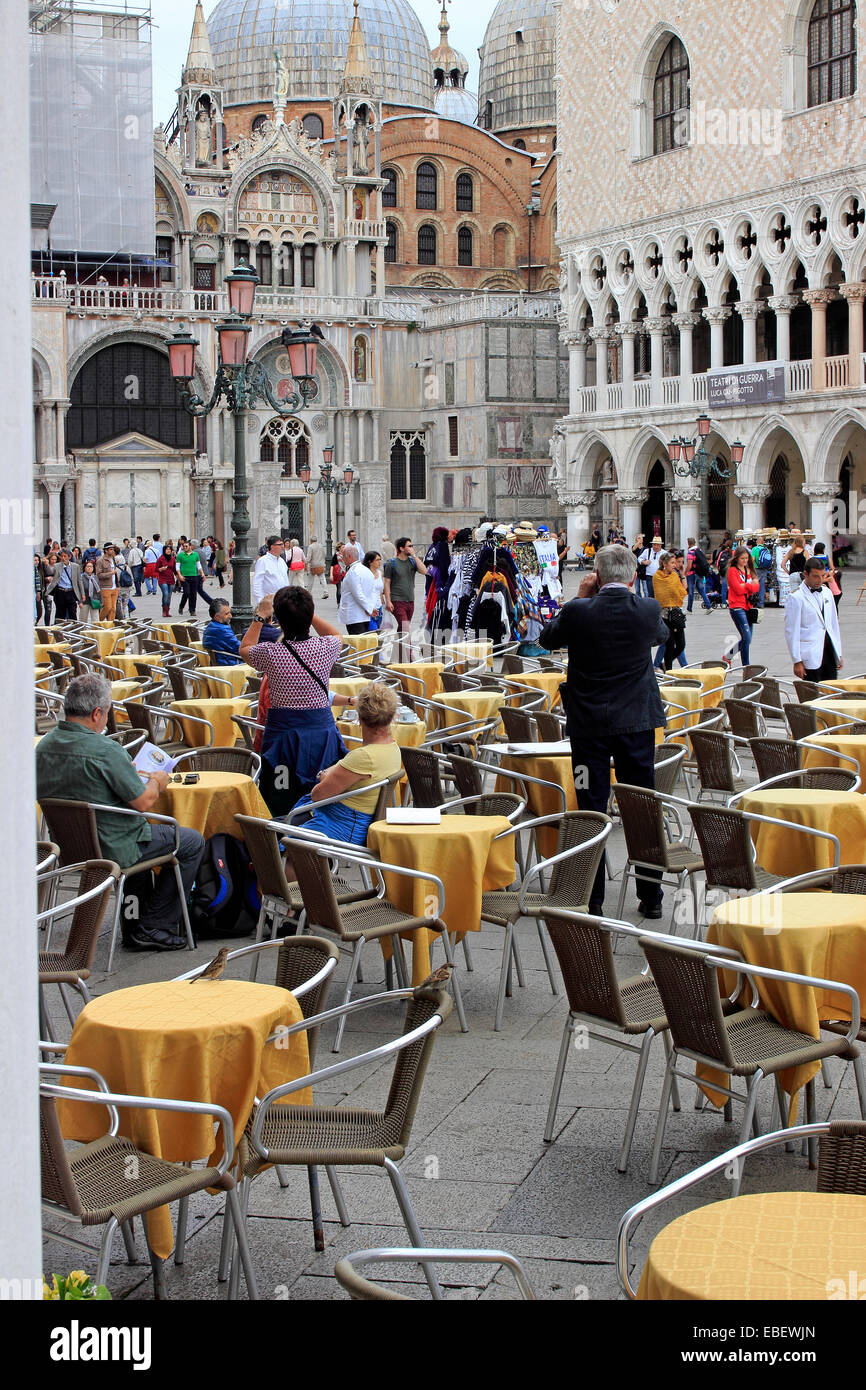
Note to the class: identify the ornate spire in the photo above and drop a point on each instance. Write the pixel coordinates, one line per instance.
(450, 68)
(199, 61)
(357, 76)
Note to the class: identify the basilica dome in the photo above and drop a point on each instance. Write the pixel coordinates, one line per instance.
(518, 59)
(312, 37)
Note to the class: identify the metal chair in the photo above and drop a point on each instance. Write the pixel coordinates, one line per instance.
(648, 845)
(424, 770)
(841, 1169)
(71, 965)
(745, 719)
(774, 756)
(802, 720)
(807, 690)
(750, 1043)
(363, 1290)
(346, 1136)
(242, 760)
(250, 729)
(512, 665)
(130, 739)
(823, 779)
(74, 826)
(156, 720)
(519, 726)
(549, 727)
(716, 763)
(668, 759)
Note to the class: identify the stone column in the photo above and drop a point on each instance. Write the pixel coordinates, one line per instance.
(823, 498)
(748, 312)
(373, 500)
(627, 332)
(656, 328)
(186, 260)
(163, 503)
(855, 294)
(631, 503)
(783, 305)
(753, 498)
(380, 271)
(350, 248)
(716, 316)
(61, 410)
(578, 517)
(201, 496)
(689, 500)
(600, 338)
(69, 518)
(577, 345)
(818, 301)
(686, 323)
(53, 487)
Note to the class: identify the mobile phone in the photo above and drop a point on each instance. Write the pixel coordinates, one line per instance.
(190, 779)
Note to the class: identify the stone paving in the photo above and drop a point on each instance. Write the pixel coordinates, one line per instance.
(477, 1169)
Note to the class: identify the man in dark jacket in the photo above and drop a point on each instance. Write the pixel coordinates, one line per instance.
(610, 695)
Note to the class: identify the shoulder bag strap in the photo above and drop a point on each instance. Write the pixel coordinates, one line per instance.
(301, 662)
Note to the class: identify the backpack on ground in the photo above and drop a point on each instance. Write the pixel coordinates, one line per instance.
(224, 900)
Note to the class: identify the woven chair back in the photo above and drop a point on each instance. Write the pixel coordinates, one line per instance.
(58, 1182)
(643, 825)
(690, 994)
(411, 1065)
(317, 888)
(774, 756)
(851, 878)
(585, 954)
(713, 759)
(80, 948)
(268, 864)
(842, 1158)
(72, 825)
(298, 960)
(571, 879)
(425, 783)
(726, 846)
(802, 720)
(519, 726)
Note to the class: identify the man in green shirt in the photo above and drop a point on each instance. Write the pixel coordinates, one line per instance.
(189, 567)
(73, 763)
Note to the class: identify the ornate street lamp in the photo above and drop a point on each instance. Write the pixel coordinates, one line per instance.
(242, 384)
(329, 485)
(689, 459)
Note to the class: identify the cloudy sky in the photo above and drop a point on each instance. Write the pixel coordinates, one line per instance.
(172, 21)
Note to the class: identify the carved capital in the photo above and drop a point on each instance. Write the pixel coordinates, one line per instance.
(578, 340)
(755, 493)
(628, 330)
(749, 309)
(819, 299)
(656, 325)
(635, 498)
(687, 496)
(687, 320)
(717, 314)
(821, 492)
(600, 335)
(581, 499)
(784, 303)
(853, 291)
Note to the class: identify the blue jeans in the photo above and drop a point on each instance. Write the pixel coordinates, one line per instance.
(724, 591)
(137, 572)
(150, 583)
(762, 580)
(166, 590)
(697, 581)
(744, 628)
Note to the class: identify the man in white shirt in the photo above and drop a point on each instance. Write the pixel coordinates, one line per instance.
(649, 558)
(270, 573)
(360, 598)
(353, 547)
(812, 627)
(135, 560)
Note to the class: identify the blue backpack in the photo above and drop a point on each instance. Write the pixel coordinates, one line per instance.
(224, 899)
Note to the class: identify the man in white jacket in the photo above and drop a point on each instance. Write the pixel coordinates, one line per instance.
(360, 597)
(270, 573)
(812, 627)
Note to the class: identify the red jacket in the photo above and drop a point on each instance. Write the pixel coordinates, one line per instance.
(166, 569)
(740, 588)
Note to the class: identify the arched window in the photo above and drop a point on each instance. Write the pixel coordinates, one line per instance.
(391, 243)
(464, 246)
(488, 115)
(360, 354)
(264, 263)
(832, 51)
(308, 265)
(314, 125)
(408, 466)
(465, 197)
(671, 99)
(242, 252)
(103, 409)
(398, 471)
(258, 122)
(500, 246)
(425, 186)
(426, 245)
(519, 145)
(389, 192)
(287, 264)
(286, 442)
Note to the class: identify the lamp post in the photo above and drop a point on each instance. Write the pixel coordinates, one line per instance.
(330, 486)
(689, 459)
(242, 384)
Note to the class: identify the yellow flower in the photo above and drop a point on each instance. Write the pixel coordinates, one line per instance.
(79, 1278)
(51, 1290)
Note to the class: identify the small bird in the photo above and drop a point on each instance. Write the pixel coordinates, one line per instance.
(439, 977)
(216, 967)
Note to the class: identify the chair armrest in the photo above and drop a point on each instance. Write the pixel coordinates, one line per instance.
(330, 800)
(804, 829)
(543, 864)
(767, 972)
(60, 909)
(148, 815)
(381, 865)
(435, 1256)
(793, 885)
(469, 800)
(706, 1170)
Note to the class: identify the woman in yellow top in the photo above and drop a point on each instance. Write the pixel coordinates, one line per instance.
(377, 757)
(670, 590)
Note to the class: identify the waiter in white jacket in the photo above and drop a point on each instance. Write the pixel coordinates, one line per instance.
(270, 573)
(812, 627)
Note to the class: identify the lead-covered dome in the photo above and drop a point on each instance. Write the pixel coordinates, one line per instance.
(312, 37)
(518, 58)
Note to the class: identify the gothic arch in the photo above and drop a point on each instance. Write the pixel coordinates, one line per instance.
(775, 434)
(582, 470)
(154, 337)
(296, 165)
(642, 84)
(330, 365)
(42, 375)
(648, 445)
(834, 442)
(169, 177)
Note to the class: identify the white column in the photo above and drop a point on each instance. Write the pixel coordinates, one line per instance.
(783, 306)
(686, 323)
(600, 336)
(656, 328)
(818, 301)
(296, 267)
(630, 510)
(689, 499)
(855, 294)
(577, 345)
(21, 1257)
(822, 498)
(627, 333)
(52, 487)
(753, 499)
(716, 316)
(748, 312)
(578, 518)
(350, 247)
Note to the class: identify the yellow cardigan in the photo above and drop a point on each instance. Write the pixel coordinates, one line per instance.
(669, 589)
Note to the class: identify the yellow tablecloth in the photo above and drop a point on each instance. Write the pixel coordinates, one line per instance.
(461, 851)
(469, 704)
(178, 1040)
(237, 676)
(430, 672)
(364, 643)
(832, 712)
(786, 1246)
(465, 654)
(202, 655)
(126, 661)
(164, 632)
(347, 685)
(106, 638)
(41, 649)
(711, 679)
(685, 696)
(542, 801)
(781, 851)
(855, 683)
(548, 681)
(219, 713)
(124, 690)
(854, 745)
(211, 804)
(820, 934)
(406, 735)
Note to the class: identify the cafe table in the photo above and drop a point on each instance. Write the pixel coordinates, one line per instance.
(237, 677)
(821, 934)
(830, 711)
(211, 804)
(688, 699)
(852, 745)
(712, 679)
(364, 644)
(779, 1246)
(127, 661)
(201, 1040)
(106, 639)
(218, 713)
(542, 801)
(781, 851)
(125, 690)
(465, 654)
(856, 684)
(463, 852)
(548, 681)
(469, 704)
(411, 672)
(41, 650)
(347, 685)
(201, 652)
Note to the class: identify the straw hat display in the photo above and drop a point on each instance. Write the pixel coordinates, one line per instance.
(525, 531)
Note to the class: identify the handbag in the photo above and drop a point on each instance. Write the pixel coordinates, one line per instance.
(96, 603)
(150, 570)
(752, 616)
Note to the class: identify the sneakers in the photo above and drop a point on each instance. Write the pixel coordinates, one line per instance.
(138, 939)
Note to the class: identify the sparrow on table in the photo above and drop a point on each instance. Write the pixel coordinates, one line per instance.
(216, 967)
(439, 977)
